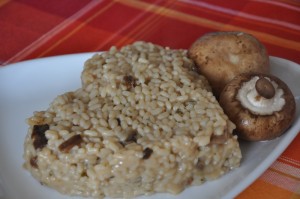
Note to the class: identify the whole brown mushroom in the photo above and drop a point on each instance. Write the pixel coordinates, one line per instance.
(261, 106)
(220, 56)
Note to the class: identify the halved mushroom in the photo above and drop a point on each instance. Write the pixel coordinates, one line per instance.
(261, 105)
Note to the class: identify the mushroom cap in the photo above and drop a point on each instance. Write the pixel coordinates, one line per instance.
(250, 125)
(220, 56)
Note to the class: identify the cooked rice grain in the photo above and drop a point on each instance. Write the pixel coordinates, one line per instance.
(143, 122)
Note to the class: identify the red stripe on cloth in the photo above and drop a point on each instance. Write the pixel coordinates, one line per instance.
(28, 24)
(85, 34)
(291, 154)
(272, 11)
(291, 4)
(245, 19)
(83, 31)
(145, 25)
(286, 169)
(281, 180)
(169, 23)
(197, 23)
(63, 9)
(290, 161)
(241, 21)
(18, 32)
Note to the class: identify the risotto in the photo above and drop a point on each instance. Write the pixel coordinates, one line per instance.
(144, 121)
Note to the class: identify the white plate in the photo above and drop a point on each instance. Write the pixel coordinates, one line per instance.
(32, 85)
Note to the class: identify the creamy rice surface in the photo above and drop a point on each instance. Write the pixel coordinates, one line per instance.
(144, 121)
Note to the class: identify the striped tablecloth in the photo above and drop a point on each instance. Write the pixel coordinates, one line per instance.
(31, 29)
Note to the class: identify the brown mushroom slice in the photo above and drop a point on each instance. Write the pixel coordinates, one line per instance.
(67, 145)
(261, 105)
(38, 136)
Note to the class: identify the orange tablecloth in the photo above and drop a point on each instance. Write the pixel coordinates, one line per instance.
(31, 29)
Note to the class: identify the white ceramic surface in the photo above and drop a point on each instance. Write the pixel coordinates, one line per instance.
(32, 85)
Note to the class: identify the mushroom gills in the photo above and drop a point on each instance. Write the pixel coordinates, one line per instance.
(258, 97)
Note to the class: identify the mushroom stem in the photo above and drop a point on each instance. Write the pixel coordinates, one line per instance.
(265, 88)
